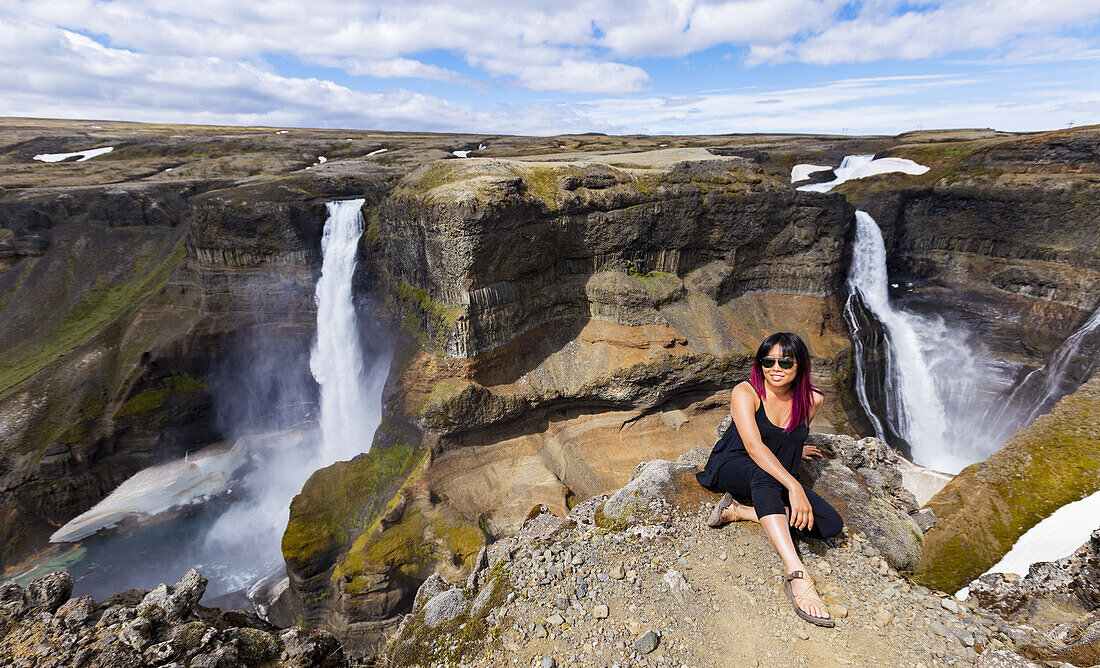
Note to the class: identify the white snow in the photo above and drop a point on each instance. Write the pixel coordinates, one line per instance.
(282, 132)
(1056, 537)
(154, 490)
(481, 147)
(322, 160)
(662, 145)
(561, 145)
(85, 155)
(861, 166)
(802, 172)
(381, 150)
(461, 154)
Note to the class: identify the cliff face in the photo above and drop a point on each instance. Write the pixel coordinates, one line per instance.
(567, 320)
(124, 284)
(1001, 231)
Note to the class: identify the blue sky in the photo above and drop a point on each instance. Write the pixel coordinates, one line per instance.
(548, 67)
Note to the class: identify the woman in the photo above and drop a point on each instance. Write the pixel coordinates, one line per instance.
(758, 458)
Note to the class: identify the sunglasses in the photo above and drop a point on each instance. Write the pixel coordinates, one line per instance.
(784, 362)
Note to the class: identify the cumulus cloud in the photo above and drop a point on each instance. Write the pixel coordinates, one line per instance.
(591, 61)
(881, 31)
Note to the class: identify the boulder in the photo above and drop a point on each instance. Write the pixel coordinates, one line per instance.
(649, 495)
(47, 592)
(444, 607)
(177, 601)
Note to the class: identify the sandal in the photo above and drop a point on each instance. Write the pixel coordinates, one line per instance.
(715, 519)
(827, 622)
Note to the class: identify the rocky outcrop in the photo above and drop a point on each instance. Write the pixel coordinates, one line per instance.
(990, 504)
(479, 252)
(630, 578)
(1072, 584)
(42, 624)
(1057, 602)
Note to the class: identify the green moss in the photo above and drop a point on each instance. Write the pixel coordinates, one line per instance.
(464, 540)
(372, 231)
(156, 398)
(660, 284)
(543, 182)
(989, 505)
(345, 498)
(611, 525)
(255, 647)
(428, 321)
(452, 642)
(104, 304)
(401, 548)
(441, 392)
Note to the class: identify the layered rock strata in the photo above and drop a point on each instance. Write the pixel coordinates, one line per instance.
(567, 318)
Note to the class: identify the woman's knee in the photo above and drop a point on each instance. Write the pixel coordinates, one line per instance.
(829, 522)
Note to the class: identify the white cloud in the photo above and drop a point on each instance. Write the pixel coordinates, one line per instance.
(210, 61)
(388, 68)
(954, 27)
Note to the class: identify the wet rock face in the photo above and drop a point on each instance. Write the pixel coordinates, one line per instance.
(165, 625)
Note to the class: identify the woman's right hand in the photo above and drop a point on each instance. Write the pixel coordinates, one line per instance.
(802, 513)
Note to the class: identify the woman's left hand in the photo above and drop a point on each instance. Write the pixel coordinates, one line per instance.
(810, 451)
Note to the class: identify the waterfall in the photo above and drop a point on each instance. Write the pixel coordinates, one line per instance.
(1041, 388)
(929, 374)
(336, 359)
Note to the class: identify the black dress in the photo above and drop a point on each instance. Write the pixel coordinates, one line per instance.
(731, 469)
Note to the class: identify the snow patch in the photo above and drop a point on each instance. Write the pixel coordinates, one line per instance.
(461, 154)
(381, 150)
(85, 155)
(861, 166)
(322, 160)
(1056, 537)
(282, 132)
(160, 488)
(802, 172)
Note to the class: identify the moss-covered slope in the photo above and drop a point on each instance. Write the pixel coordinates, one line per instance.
(990, 504)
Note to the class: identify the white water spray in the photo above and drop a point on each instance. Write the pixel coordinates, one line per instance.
(929, 368)
(336, 360)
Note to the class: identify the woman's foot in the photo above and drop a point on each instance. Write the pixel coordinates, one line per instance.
(725, 511)
(804, 595)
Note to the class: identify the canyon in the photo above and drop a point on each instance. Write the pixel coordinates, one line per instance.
(554, 310)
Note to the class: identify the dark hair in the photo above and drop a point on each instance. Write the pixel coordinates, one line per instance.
(793, 347)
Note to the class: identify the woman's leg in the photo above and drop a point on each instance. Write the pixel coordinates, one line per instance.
(827, 521)
(767, 498)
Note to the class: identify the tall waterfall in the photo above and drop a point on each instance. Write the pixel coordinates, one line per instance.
(337, 360)
(929, 371)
